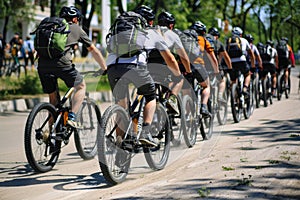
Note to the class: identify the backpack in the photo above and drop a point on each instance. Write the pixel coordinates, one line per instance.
(51, 37)
(283, 53)
(234, 47)
(265, 52)
(127, 36)
(189, 40)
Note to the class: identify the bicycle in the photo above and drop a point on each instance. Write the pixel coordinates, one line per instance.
(193, 116)
(267, 90)
(118, 140)
(281, 85)
(257, 90)
(46, 130)
(176, 115)
(15, 67)
(240, 104)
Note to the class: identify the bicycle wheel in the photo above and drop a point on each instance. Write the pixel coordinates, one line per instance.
(279, 87)
(222, 107)
(256, 93)
(248, 107)
(206, 124)
(40, 153)
(189, 113)
(177, 123)
(18, 70)
(265, 91)
(235, 104)
(113, 160)
(287, 90)
(157, 157)
(86, 137)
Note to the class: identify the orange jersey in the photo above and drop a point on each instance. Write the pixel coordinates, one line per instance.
(205, 47)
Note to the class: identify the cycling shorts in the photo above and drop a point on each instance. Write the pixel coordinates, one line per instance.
(69, 75)
(239, 66)
(268, 67)
(121, 75)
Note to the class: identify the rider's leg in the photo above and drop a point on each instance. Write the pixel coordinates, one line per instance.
(78, 96)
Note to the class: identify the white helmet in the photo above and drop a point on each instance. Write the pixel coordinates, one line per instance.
(237, 31)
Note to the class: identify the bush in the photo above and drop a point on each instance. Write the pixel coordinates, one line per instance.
(30, 85)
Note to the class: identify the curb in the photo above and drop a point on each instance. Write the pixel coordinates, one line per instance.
(20, 105)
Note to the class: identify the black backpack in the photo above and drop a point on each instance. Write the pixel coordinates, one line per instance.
(127, 35)
(51, 37)
(189, 40)
(234, 46)
(283, 53)
(265, 52)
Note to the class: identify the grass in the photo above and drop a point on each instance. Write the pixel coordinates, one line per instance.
(227, 168)
(203, 192)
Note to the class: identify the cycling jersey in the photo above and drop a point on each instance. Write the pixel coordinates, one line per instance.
(245, 48)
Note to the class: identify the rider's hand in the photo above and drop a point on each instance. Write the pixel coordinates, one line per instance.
(189, 77)
(177, 79)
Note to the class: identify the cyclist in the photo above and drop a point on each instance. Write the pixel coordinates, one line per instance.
(63, 67)
(199, 70)
(285, 63)
(239, 62)
(2, 55)
(220, 53)
(15, 47)
(270, 63)
(258, 61)
(29, 49)
(135, 70)
(166, 24)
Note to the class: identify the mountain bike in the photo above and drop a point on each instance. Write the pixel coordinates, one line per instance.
(47, 132)
(240, 104)
(256, 87)
(281, 85)
(15, 67)
(118, 140)
(267, 89)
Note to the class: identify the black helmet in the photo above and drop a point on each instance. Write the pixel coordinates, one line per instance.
(285, 38)
(214, 31)
(249, 38)
(270, 42)
(165, 19)
(70, 12)
(199, 27)
(145, 12)
(260, 45)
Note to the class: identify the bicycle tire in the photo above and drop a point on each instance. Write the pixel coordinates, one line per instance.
(247, 109)
(235, 104)
(279, 87)
(265, 92)
(256, 91)
(37, 142)
(206, 124)
(287, 90)
(114, 117)
(177, 124)
(85, 138)
(222, 108)
(157, 157)
(189, 113)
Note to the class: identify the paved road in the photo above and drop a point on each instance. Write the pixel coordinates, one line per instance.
(256, 158)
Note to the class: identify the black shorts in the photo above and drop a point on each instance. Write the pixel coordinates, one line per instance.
(199, 72)
(239, 66)
(121, 75)
(268, 67)
(69, 75)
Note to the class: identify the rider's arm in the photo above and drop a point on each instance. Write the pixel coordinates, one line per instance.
(291, 56)
(171, 62)
(184, 59)
(226, 57)
(97, 56)
(212, 58)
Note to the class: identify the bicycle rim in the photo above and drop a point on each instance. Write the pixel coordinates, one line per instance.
(114, 161)
(189, 113)
(157, 157)
(222, 108)
(235, 104)
(86, 137)
(37, 140)
(177, 124)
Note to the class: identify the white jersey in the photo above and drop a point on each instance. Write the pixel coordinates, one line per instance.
(154, 40)
(245, 48)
